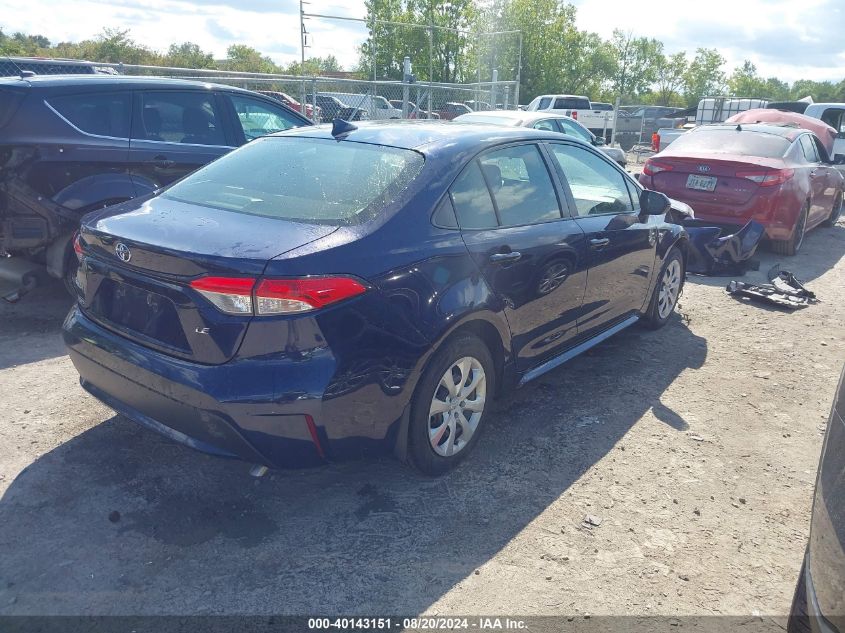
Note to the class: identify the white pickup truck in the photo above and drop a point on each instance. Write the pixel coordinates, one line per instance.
(597, 120)
(834, 115)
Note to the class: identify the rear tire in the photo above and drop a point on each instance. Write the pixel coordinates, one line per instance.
(667, 290)
(450, 404)
(835, 212)
(791, 246)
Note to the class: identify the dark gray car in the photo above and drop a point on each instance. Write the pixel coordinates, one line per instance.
(819, 603)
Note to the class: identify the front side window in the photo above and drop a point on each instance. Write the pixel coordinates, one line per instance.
(597, 187)
(102, 114)
(258, 118)
(310, 180)
(180, 117)
(521, 186)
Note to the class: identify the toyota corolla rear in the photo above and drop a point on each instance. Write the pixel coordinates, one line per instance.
(730, 175)
(215, 312)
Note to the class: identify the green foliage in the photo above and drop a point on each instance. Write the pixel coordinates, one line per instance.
(704, 76)
(246, 59)
(636, 62)
(188, 55)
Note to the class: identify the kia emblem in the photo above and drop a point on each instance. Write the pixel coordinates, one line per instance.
(704, 168)
(122, 251)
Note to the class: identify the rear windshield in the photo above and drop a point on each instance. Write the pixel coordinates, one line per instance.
(569, 103)
(731, 141)
(302, 179)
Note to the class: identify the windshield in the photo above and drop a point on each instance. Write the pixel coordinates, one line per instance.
(730, 141)
(305, 179)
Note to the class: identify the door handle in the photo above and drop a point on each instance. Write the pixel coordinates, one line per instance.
(505, 257)
(162, 162)
(599, 243)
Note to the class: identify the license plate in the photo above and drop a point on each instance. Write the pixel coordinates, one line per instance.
(702, 183)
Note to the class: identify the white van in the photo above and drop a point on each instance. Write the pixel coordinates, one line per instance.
(375, 106)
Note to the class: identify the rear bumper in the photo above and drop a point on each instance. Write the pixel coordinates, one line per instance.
(233, 410)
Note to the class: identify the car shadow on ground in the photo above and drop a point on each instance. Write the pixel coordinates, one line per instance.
(823, 247)
(119, 520)
(24, 324)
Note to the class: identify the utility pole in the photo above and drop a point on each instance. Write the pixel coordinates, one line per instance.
(302, 34)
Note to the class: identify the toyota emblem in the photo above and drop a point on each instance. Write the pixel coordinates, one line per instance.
(122, 251)
(704, 168)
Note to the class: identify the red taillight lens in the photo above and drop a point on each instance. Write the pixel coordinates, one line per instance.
(77, 246)
(767, 177)
(232, 295)
(653, 167)
(286, 296)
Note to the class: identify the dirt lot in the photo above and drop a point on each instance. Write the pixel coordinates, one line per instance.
(695, 445)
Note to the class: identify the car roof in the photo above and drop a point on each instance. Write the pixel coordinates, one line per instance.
(789, 132)
(411, 134)
(519, 117)
(114, 81)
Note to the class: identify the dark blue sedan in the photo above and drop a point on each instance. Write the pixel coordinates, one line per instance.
(314, 297)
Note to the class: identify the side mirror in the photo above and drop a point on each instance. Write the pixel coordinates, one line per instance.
(839, 159)
(598, 141)
(653, 203)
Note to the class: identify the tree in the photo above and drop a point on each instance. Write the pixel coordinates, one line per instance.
(636, 63)
(314, 66)
(669, 79)
(704, 76)
(244, 58)
(188, 55)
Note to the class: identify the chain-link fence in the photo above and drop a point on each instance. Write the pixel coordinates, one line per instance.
(324, 98)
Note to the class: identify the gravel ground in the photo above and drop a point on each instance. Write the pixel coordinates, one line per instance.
(693, 448)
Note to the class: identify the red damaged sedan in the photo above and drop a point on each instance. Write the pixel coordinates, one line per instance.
(729, 174)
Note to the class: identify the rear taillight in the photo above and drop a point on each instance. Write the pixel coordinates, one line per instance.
(77, 246)
(232, 295)
(574, 115)
(652, 167)
(239, 295)
(767, 177)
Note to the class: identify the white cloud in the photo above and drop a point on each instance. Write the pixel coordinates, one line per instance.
(783, 38)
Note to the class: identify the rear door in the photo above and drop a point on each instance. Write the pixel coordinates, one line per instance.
(820, 201)
(173, 133)
(621, 243)
(532, 256)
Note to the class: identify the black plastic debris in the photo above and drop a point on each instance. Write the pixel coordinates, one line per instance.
(784, 291)
(711, 253)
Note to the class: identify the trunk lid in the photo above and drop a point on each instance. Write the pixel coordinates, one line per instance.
(141, 256)
(730, 190)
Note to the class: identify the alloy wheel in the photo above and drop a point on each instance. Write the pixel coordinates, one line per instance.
(457, 406)
(670, 285)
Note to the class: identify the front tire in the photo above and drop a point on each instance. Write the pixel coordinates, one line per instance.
(791, 246)
(666, 291)
(450, 404)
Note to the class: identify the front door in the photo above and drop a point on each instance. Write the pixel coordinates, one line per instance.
(175, 132)
(621, 242)
(531, 256)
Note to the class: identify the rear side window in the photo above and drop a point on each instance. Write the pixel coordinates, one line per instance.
(809, 149)
(521, 185)
(730, 141)
(544, 103)
(310, 180)
(102, 114)
(471, 198)
(180, 117)
(568, 103)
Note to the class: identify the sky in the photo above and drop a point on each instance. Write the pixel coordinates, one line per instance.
(788, 39)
